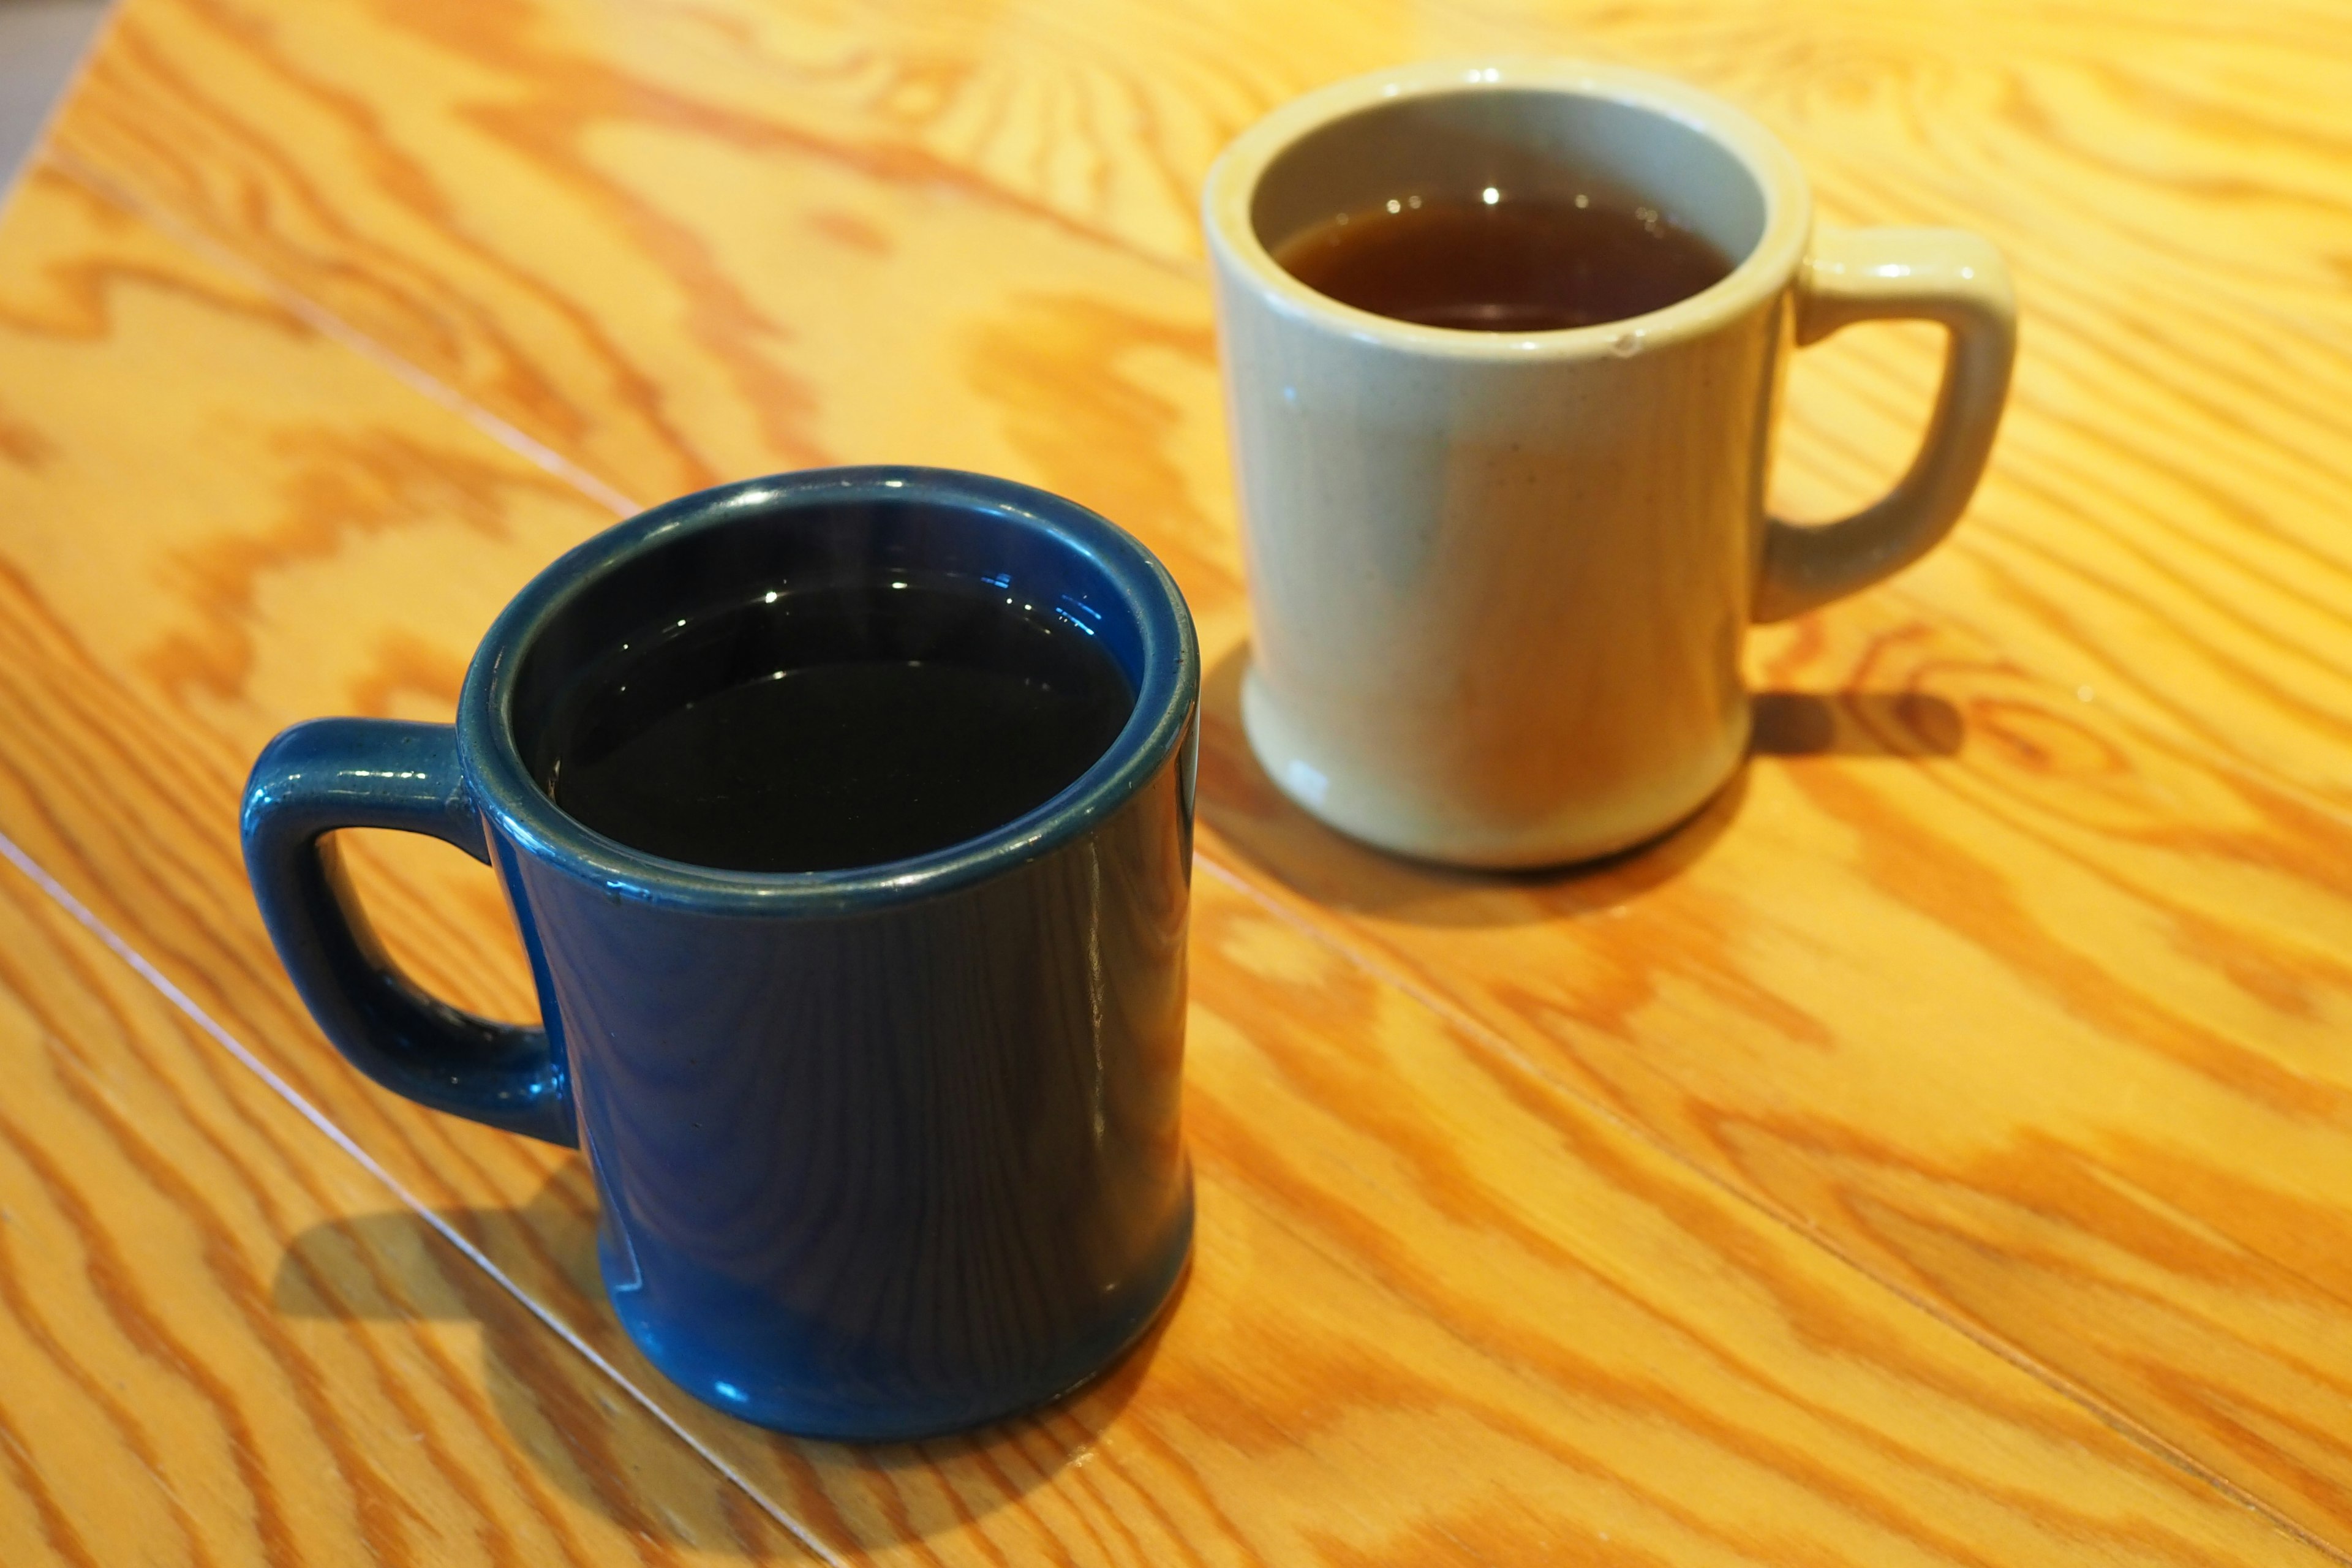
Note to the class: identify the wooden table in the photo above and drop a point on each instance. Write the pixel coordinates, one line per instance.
(1938, 1152)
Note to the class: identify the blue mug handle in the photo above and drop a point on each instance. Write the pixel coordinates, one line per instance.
(381, 773)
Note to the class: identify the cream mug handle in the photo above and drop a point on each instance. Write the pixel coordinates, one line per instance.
(1945, 275)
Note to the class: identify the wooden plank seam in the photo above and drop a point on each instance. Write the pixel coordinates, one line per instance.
(605, 495)
(336, 330)
(83, 915)
(1497, 1044)
(1472, 1028)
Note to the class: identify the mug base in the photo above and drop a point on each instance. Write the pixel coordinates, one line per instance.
(850, 1417)
(1414, 829)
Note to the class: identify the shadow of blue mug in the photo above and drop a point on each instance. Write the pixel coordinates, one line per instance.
(883, 1151)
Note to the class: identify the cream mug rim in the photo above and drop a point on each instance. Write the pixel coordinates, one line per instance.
(1770, 263)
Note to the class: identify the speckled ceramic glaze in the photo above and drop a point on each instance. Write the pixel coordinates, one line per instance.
(881, 1151)
(1500, 583)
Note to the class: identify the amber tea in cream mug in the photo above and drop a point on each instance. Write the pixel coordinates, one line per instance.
(1500, 572)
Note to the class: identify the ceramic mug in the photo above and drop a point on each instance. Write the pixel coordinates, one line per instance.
(1499, 582)
(881, 1151)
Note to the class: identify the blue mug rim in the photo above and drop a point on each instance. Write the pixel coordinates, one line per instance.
(1164, 701)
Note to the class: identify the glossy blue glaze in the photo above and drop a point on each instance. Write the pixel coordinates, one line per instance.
(882, 1151)
(378, 773)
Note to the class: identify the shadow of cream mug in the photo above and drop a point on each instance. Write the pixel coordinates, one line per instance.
(1498, 582)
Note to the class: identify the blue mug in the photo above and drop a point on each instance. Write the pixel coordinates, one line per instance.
(880, 1153)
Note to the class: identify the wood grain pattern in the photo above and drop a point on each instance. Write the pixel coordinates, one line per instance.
(2023, 999)
(1441, 1310)
(2171, 290)
(224, 1340)
(2061, 984)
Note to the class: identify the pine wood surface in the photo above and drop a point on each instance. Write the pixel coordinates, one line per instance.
(1999, 1000)
(225, 1341)
(1440, 1310)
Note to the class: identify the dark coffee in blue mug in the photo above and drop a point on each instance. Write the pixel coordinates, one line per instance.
(844, 718)
(884, 1149)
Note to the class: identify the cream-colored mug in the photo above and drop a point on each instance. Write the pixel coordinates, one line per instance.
(1499, 582)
